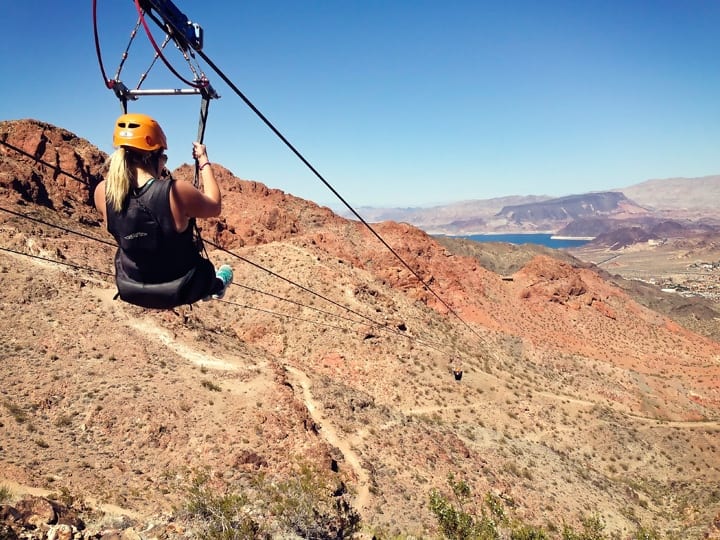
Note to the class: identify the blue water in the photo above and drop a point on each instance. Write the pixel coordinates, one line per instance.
(541, 239)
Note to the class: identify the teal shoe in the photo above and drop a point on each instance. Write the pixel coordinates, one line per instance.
(224, 274)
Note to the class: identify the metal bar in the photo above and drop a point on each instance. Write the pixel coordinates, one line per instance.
(166, 92)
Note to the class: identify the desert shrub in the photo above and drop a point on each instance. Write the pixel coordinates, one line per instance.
(496, 506)
(462, 516)
(5, 494)
(528, 532)
(593, 527)
(210, 385)
(458, 516)
(307, 505)
(646, 534)
(67, 498)
(64, 421)
(17, 413)
(219, 516)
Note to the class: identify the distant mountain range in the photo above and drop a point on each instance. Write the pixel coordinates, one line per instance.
(685, 201)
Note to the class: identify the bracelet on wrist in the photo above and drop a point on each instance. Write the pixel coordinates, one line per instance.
(204, 165)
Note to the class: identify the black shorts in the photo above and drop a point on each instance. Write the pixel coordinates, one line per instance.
(202, 283)
(197, 283)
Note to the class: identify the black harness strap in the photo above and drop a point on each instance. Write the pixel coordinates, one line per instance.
(204, 106)
(207, 93)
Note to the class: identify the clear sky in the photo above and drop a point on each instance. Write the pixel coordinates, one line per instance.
(399, 102)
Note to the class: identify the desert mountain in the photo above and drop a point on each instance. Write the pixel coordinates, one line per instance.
(554, 213)
(464, 217)
(692, 195)
(566, 208)
(688, 201)
(575, 399)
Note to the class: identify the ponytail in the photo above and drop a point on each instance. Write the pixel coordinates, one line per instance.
(122, 173)
(119, 178)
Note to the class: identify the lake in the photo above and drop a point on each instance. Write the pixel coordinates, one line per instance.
(541, 239)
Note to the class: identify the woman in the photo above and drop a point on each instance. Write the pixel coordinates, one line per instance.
(158, 262)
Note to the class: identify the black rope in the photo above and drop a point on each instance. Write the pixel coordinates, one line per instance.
(303, 287)
(332, 189)
(46, 163)
(75, 266)
(380, 325)
(289, 300)
(90, 237)
(276, 314)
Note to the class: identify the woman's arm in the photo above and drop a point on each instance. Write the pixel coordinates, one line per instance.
(186, 201)
(99, 199)
(210, 187)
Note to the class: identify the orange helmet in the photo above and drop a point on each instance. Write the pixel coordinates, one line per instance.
(139, 131)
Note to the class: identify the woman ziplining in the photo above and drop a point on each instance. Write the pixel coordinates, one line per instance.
(159, 262)
(188, 38)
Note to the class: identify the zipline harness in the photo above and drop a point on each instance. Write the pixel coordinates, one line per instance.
(188, 38)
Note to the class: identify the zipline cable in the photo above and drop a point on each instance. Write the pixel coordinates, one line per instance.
(46, 163)
(379, 325)
(254, 308)
(244, 306)
(375, 323)
(184, 45)
(332, 189)
(96, 271)
(353, 321)
(75, 266)
(276, 314)
(277, 297)
(37, 220)
(306, 289)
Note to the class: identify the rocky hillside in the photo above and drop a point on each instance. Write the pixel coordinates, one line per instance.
(575, 399)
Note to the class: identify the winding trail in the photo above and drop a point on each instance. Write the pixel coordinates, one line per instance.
(330, 435)
(150, 329)
(649, 422)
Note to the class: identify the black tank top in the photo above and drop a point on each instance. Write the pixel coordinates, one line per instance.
(150, 250)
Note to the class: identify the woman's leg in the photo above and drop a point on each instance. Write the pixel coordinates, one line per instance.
(203, 283)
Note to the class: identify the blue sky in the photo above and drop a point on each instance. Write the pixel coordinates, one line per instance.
(402, 103)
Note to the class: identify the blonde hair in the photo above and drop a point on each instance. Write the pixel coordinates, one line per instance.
(119, 178)
(122, 173)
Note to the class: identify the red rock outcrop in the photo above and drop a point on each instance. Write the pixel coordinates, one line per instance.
(48, 166)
